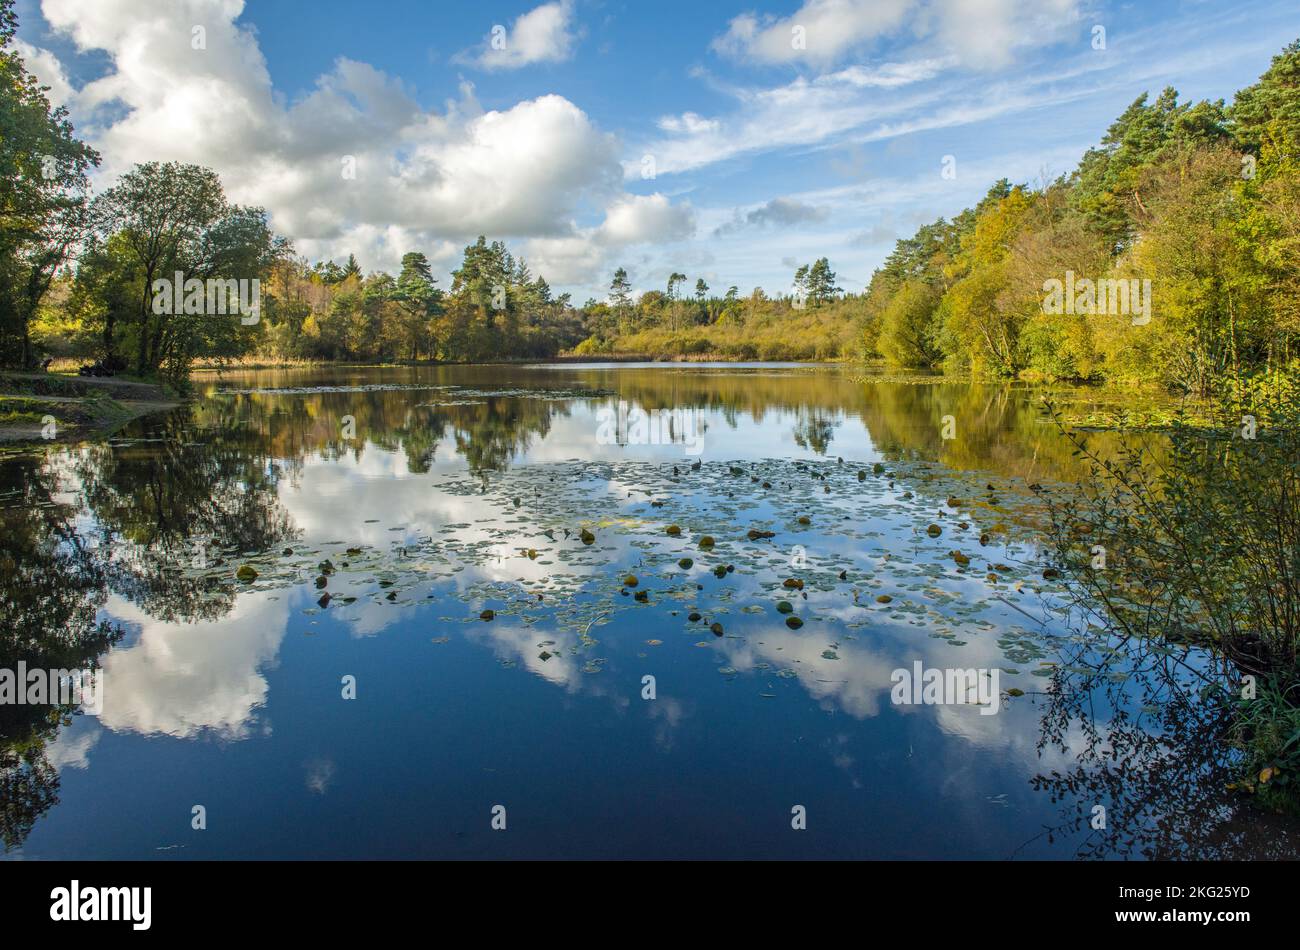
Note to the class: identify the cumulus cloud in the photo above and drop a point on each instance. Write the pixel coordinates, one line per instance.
(583, 256)
(576, 259)
(542, 35)
(633, 219)
(640, 218)
(356, 164)
(779, 212)
(47, 69)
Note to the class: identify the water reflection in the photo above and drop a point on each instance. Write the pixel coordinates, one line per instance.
(1001, 427)
(1146, 727)
(406, 501)
(54, 583)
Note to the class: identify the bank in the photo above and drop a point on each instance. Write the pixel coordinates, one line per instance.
(52, 407)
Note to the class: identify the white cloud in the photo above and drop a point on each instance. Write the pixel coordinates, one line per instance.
(688, 122)
(637, 219)
(542, 35)
(888, 75)
(987, 33)
(581, 258)
(981, 33)
(856, 105)
(565, 260)
(356, 165)
(821, 31)
(47, 69)
(799, 113)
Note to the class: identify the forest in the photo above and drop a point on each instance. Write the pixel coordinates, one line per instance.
(1198, 202)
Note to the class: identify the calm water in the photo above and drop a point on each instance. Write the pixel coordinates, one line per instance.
(417, 499)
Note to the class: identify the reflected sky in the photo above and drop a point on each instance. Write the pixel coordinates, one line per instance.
(385, 510)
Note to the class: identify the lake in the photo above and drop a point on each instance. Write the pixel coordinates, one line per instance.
(582, 611)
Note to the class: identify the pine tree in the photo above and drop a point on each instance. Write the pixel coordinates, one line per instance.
(620, 290)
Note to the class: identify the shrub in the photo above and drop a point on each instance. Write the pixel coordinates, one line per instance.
(1195, 539)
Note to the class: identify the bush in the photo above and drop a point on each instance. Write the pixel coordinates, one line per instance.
(1201, 541)
(1195, 540)
(590, 346)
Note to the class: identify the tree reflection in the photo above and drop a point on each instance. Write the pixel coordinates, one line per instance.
(490, 434)
(131, 516)
(1146, 725)
(815, 429)
(148, 502)
(182, 494)
(53, 587)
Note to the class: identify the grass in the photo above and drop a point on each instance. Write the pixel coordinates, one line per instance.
(1267, 731)
(49, 385)
(20, 410)
(70, 409)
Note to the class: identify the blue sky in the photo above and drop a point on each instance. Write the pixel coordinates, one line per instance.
(731, 141)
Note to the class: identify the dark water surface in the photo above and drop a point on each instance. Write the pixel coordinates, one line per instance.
(436, 494)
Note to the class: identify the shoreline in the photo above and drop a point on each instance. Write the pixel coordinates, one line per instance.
(560, 360)
(78, 407)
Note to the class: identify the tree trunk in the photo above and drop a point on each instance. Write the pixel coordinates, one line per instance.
(141, 355)
(110, 326)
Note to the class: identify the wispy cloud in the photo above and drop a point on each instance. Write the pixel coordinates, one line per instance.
(983, 34)
(819, 32)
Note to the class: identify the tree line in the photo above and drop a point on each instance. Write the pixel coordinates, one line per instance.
(1200, 202)
(1197, 203)
(80, 273)
(1200, 199)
